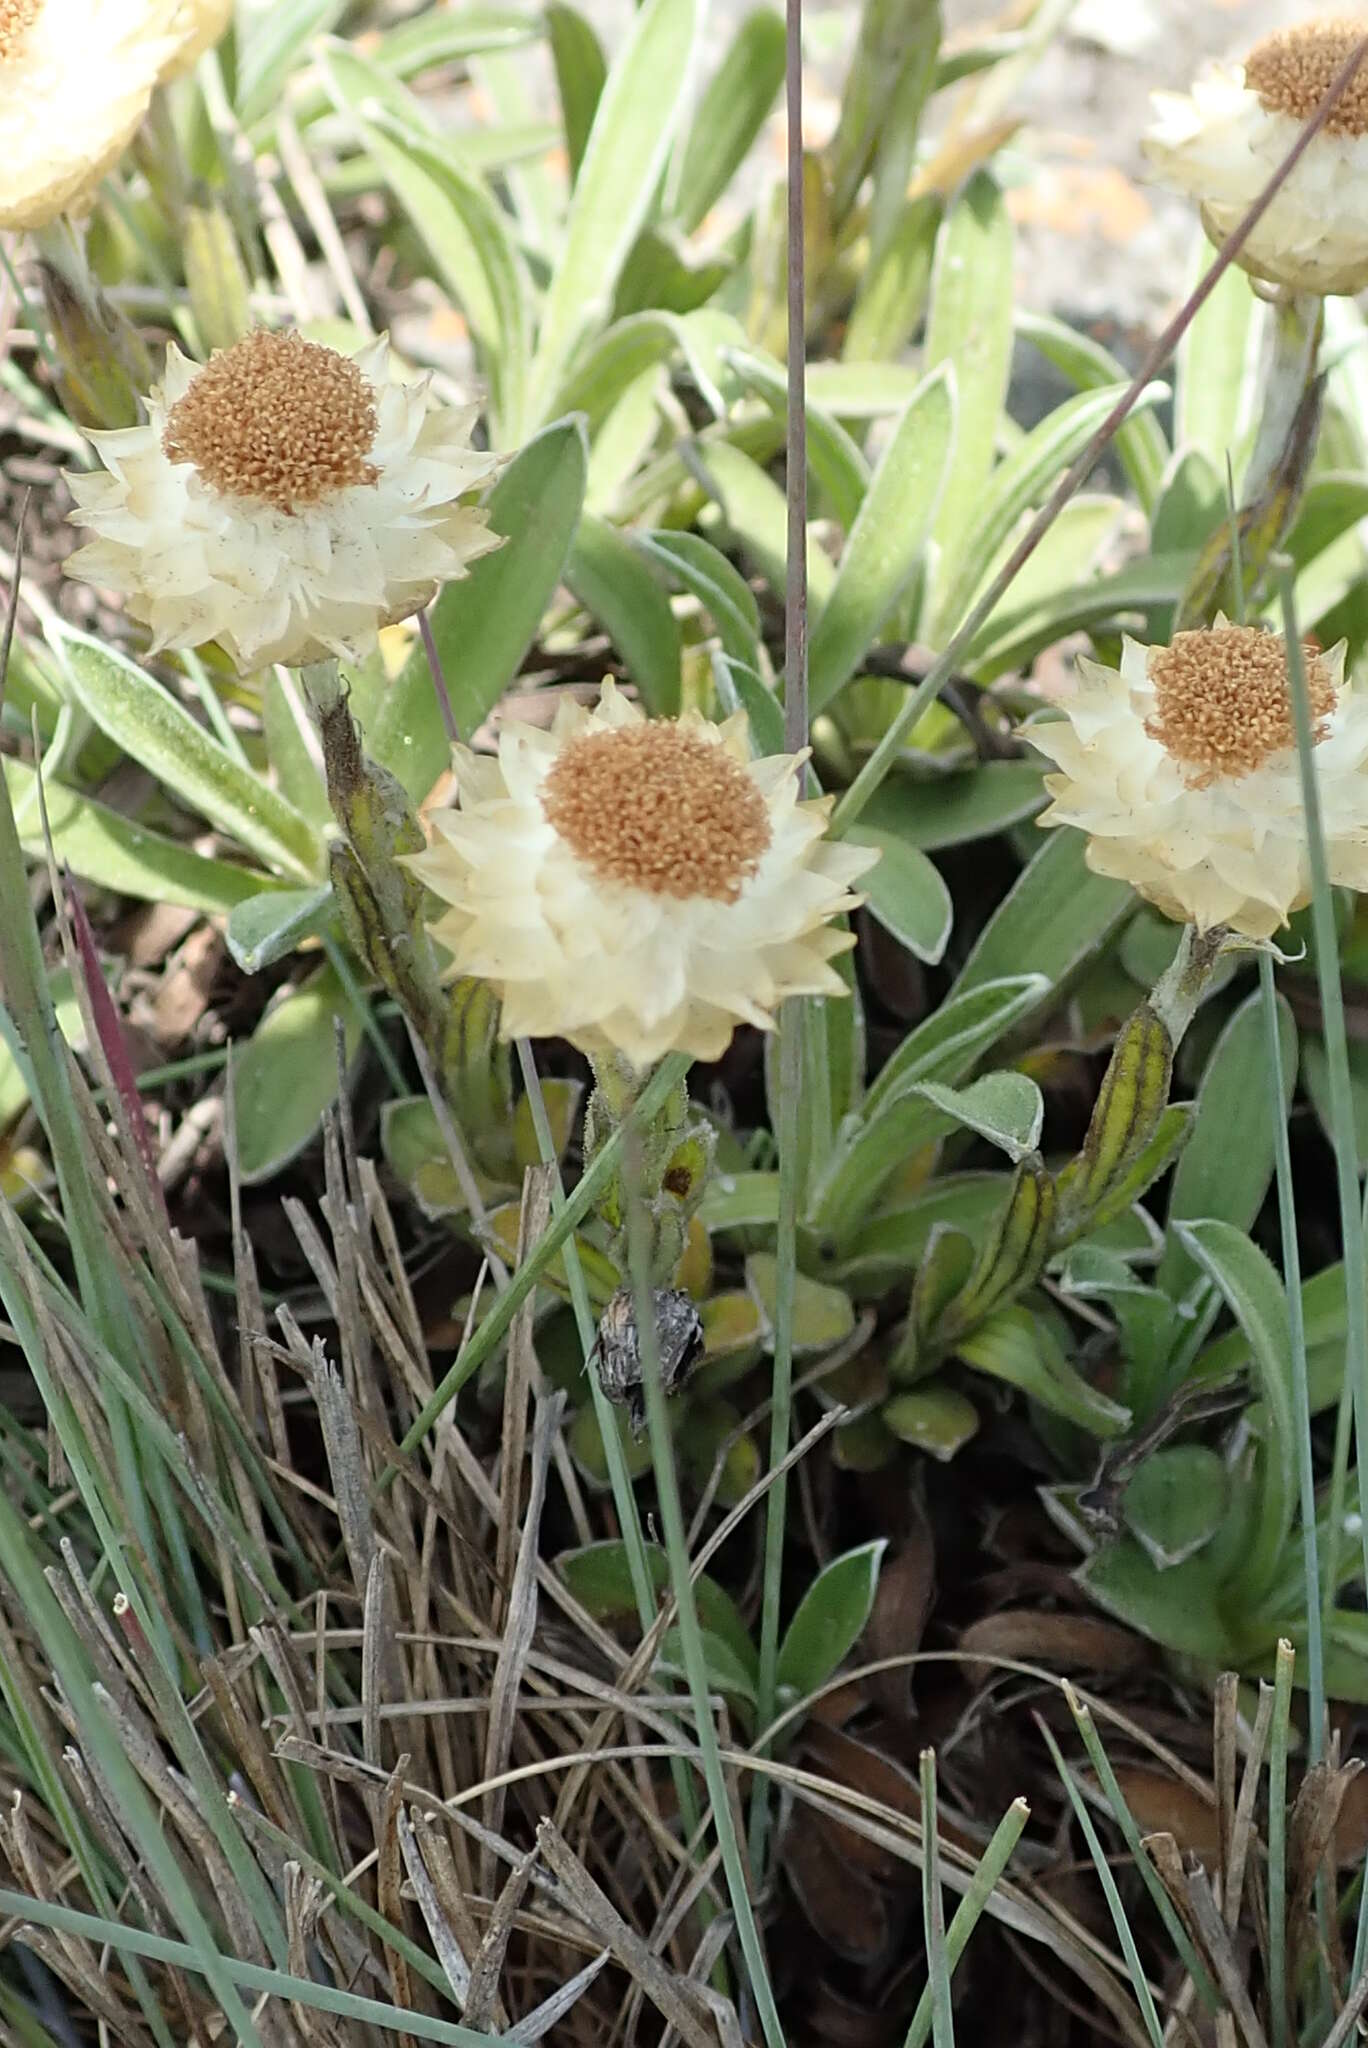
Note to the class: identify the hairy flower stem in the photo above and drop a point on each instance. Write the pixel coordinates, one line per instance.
(1232, 564)
(1184, 982)
(675, 1154)
(381, 906)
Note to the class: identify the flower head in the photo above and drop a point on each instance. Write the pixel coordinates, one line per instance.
(1222, 142)
(1181, 767)
(638, 885)
(284, 499)
(76, 77)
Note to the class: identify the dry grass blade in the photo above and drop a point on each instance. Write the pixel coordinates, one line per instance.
(445, 1941)
(1225, 1964)
(518, 1382)
(1242, 1834)
(521, 1621)
(483, 2005)
(671, 1996)
(535, 2025)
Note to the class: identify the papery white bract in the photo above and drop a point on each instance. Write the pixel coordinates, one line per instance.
(1181, 768)
(1221, 142)
(641, 886)
(285, 501)
(76, 79)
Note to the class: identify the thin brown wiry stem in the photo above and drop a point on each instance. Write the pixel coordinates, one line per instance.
(795, 588)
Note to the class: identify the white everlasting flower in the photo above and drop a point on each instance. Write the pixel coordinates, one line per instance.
(1222, 142)
(1181, 767)
(638, 885)
(284, 500)
(76, 78)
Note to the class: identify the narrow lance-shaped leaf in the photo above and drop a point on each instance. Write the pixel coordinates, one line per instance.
(830, 1620)
(885, 545)
(970, 325)
(638, 111)
(148, 723)
(484, 623)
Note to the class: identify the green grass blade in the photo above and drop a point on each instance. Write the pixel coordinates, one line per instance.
(249, 1976)
(933, 1911)
(1116, 1907)
(591, 1185)
(1301, 1393)
(690, 1633)
(1277, 1843)
(990, 1867)
(1341, 1099)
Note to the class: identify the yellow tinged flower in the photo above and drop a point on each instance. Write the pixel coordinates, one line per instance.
(284, 500)
(76, 78)
(1222, 142)
(1181, 767)
(638, 885)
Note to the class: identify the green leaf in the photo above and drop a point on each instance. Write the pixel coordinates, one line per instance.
(661, 271)
(1334, 505)
(147, 722)
(894, 290)
(1006, 1109)
(906, 894)
(1140, 443)
(726, 1673)
(639, 342)
(270, 40)
(1247, 1280)
(695, 565)
(881, 1252)
(109, 849)
(830, 1620)
(1057, 915)
(885, 546)
(739, 686)
(466, 235)
(753, 507)
(286, 1074)
(600, 1577)
(736, 1201)
(264, 928)
(1176, 1502)
(586, 1447)
(949, 1043)
(292, 748)
(733, 109)
(1217, 358)
(1027, 476)
(1316, 1076)
(1180, 1608)
(1191, 505)
(1228, 1160)
(581, 71)
(1017, 632)
(822, 1315)
(711, 1430)
(861, 391)
(934, 1418)
(484, 623)
(949, 810)
(1016, 1346)
(969, 325)
(634, 125)
(835, 460)
(611, 581)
